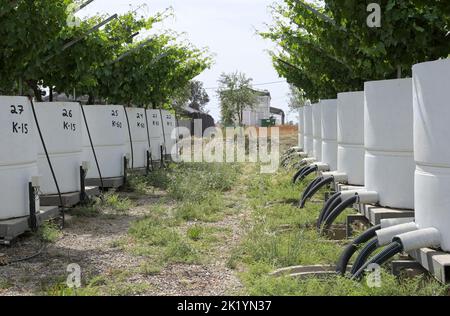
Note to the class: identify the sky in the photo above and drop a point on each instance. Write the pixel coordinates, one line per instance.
(227, 28)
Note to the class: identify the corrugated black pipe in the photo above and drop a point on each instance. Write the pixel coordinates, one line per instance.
(349, 251)
(390, 251)
(308, 172)
(314, 189)
(329, 220)
(365, 254)
(332, 202)
(297, 174)
(313, 183)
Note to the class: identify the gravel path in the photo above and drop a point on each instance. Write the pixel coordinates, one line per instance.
(90, 243)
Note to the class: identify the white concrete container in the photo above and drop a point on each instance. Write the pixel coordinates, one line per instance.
(155, 128)
(309, 143)
(329, 133)
(108, 128)
(350, 113)
(139, 137)
(18, 157)
(170, 132)
(388, 129)
(317, 130)
(301, 128)
(431, 146)
(61, 127)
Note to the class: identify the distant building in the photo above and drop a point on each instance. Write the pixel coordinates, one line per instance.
(191, 115)
(261, 111)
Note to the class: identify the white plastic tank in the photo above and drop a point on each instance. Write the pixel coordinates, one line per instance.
(60, 124)
(170, 132)
(108, 129)
(139, 137)
(388, 129)
(317, 130)
(309, 143)
(18, 157)
(350, 113)
(329, 133)
(431, 146)
(155, 129)
(301, 128)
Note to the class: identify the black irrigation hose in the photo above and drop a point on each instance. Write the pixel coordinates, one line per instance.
(148, 137)
(308, 172)
(390, 251)
(61, 204)
(332, 202)
(297, 174)
(131, 138)
(349, 251)
(308, 188)
(338, 211)
(365, 254)
(163, 132)
(39, 252)
(317, 186)
(92, 145)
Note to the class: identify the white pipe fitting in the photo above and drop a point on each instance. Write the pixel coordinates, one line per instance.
(388, 222)
(386, 235)
(349, 193)
(339, 177)
(321, 166)
(350, 188)
(364, 197)
(422, 238)
(367, 197)
(308, 161)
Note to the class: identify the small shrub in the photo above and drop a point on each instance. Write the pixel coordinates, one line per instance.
(49, 232)
(195, 232)
(179, 251)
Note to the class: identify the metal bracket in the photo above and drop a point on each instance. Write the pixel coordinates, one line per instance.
(32, 200)
(83, 196)
(125, 170)
(162, 156)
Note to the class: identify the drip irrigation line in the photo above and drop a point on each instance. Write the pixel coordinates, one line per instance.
(61, 204)
(92, 146)
(131, 138)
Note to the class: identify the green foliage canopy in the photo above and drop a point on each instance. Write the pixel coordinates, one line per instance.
(333, 50)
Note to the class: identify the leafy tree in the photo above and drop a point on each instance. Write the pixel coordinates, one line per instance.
(106, 64)
(328, 49)
(154, 74)
(296, 98)
(235, 94)
(27, 29)
(198, 95)
(193, 95)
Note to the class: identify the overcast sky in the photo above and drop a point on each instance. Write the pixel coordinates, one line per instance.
(227, 28)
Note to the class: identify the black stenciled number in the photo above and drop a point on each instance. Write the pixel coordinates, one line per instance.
(67, 113)
(115, 113)
(17, 109)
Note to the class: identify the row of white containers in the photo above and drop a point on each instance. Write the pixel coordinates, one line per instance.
(392, 139)
(67, 141)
